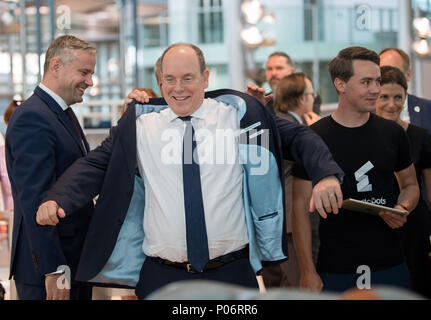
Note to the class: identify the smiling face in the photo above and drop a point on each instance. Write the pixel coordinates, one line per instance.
(73, 77)
(391, 101)
(183, 83)
(361, 91)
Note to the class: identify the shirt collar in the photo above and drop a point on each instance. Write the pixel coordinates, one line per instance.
(298, 118)
(200, 113)
(55, 96)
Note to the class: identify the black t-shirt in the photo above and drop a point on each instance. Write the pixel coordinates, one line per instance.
(420, 148)
(369, 155)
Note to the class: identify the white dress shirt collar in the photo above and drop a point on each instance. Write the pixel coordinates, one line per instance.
(55, 96)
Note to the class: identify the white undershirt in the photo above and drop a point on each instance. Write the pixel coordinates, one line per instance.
(404, 115)
(159, 152)
(55, 96)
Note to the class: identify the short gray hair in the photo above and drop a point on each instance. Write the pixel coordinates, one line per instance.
(63, 48)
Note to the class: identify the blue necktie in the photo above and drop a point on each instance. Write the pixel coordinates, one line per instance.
(196, 232)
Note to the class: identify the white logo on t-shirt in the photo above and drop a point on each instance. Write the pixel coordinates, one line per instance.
(364, 184)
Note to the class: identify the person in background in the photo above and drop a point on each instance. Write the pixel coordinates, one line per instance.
(6, 200)
(416, 232)
(416, 110)
(278, 65)
(4, 178)
(294, 100)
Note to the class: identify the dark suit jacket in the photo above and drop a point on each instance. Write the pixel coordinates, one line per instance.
(419, 111)
(41, 144)
(110, 170)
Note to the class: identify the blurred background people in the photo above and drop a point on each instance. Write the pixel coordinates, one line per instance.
(278, 65)
(415, 110)
(6, 202)
(294, 98)
(417, 230)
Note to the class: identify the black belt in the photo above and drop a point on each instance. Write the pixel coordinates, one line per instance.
(212, 264)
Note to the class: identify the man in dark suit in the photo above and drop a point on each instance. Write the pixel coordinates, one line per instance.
(43, 139)
(140, 231)
(417, 110)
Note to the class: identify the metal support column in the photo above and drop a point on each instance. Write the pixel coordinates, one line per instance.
(236, 64)
(23, 46)
(38, 39)
(51, 5)
(136, 43)
(315, 37)
(122, 42)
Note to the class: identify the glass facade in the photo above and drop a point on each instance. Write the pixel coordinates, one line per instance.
(131, 34)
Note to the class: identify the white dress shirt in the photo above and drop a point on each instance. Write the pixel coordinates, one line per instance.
(55, 96)
(159, 152)
(404, 115)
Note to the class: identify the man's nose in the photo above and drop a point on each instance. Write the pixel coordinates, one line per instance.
(178, 85)
(375, 87)
(89, 81)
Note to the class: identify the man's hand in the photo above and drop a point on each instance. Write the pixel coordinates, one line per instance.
(138, 95)
(258, 93)
(392, 219)
(327, 196)
(53, 292)
(310, 118)
(310, 281)
(48, 213)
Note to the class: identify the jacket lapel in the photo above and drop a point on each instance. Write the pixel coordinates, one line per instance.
(415, 117)
(62, 117)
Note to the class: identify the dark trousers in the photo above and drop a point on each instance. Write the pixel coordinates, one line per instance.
(397, 276)
(155, 275)
(79, 291)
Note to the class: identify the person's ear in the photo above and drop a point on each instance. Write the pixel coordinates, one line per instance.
(54, 65)
(340, 85)
(408, 75)
(206, 76)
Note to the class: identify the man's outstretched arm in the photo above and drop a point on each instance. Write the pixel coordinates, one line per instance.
(305, 147)
(78, 185)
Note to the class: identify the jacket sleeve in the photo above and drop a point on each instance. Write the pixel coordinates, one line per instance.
(31, 145)
(83, 180)
(301, 144)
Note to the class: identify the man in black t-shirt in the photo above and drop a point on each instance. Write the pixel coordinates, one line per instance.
(358, 249)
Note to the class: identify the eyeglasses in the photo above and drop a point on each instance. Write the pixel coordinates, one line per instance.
(171, 81)
(314, 94)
